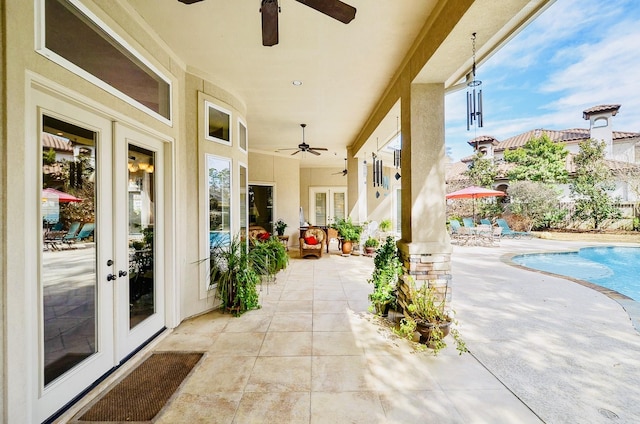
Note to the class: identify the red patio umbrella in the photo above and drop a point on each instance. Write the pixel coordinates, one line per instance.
(474, 192)
(60, 195)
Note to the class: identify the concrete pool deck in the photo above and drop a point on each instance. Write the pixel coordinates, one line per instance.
(570, 353)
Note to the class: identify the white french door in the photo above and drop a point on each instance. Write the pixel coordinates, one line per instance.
(138, 227)
(327, 204)
(100, 291)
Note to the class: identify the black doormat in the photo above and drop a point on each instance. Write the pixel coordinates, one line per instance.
(145, 390)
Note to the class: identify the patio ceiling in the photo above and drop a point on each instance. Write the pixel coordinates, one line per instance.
(347, 71)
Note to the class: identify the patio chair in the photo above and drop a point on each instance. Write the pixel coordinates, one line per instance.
(508, 232)
(485, 221)
(312, 242)
(71, 233)
(468, 222)
(458, 232)
(86, 231)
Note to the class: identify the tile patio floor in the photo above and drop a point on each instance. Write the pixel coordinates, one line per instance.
(313, 354)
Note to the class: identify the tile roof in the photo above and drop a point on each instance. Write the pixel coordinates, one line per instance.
(570, 136)
(601, 108)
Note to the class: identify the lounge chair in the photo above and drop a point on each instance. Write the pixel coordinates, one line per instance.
(508, 232)
(71, 233)
(86, 231)
(485, 221)
(468, 222)
(459, 233)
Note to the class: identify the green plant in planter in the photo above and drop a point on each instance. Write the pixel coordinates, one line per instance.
(234, 276)
(371, 242)
(426, 314)
(387, 269)
(268, 257)
(385, 225)
(279, 226)
(347, 229)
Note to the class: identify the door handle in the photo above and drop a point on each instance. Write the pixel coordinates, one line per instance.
(122, 273)
(111, 277)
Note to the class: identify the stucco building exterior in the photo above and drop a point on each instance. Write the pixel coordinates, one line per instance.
(160, 117)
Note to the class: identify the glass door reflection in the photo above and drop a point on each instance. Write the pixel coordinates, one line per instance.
(68, 273)
(141, 213)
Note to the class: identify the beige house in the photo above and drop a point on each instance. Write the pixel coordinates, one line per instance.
(173, 119)
(621, 148)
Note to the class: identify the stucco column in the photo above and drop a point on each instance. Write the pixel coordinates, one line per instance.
(356, 189)
(425, 245)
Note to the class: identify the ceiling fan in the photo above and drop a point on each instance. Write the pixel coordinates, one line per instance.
(270, 9)
(304, 147)
(344, 171)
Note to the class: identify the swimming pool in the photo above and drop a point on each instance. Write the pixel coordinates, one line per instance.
(616, 268)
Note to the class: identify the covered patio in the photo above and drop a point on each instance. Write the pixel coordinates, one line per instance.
(542, 349)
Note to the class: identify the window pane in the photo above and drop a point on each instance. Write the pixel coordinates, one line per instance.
(141, 165)
(68, 273)
(217, 124)
(79, 40)
(321, 209)
(219, 181)
(243, 136)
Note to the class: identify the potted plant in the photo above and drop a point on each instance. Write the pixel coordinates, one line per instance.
(234, 276)
(280, 226)
(426, 314)
(348, 232)
(387, 269)
(268, 257)
(385, 225)
(371, 245)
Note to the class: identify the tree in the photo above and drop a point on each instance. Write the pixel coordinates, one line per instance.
(540, 159)
(536, 203)
(592, 184)
(482, 171)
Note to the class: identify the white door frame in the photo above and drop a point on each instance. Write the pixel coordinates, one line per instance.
(35, 402)
(130, 339)
(330, 191)
(61, 391)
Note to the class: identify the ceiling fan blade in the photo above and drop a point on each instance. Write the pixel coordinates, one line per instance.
(319, 148)
(333, 8)
(296, 152)
(313, 152)
(189, 1)
(269, 10)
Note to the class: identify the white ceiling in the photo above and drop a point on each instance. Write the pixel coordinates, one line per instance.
(345, 69)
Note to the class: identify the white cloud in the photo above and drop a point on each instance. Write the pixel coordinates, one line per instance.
(576, 55)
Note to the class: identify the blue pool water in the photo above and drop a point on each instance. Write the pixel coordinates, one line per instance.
(616, 268)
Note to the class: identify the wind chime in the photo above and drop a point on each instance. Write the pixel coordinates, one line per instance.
(474, 99)
(377, 172)
(397, 153)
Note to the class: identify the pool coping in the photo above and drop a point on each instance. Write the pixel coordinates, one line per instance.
(630, 306)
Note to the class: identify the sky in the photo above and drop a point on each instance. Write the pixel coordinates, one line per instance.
(575, 55)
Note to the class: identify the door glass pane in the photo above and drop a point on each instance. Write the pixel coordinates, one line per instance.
(321, 209)
(219, 183)
(339, 205)
(68, 274)
(261, 206)
(141, 164)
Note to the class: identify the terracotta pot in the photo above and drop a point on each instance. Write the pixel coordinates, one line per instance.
(425, 329)
(370, 250)
(347, 246)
